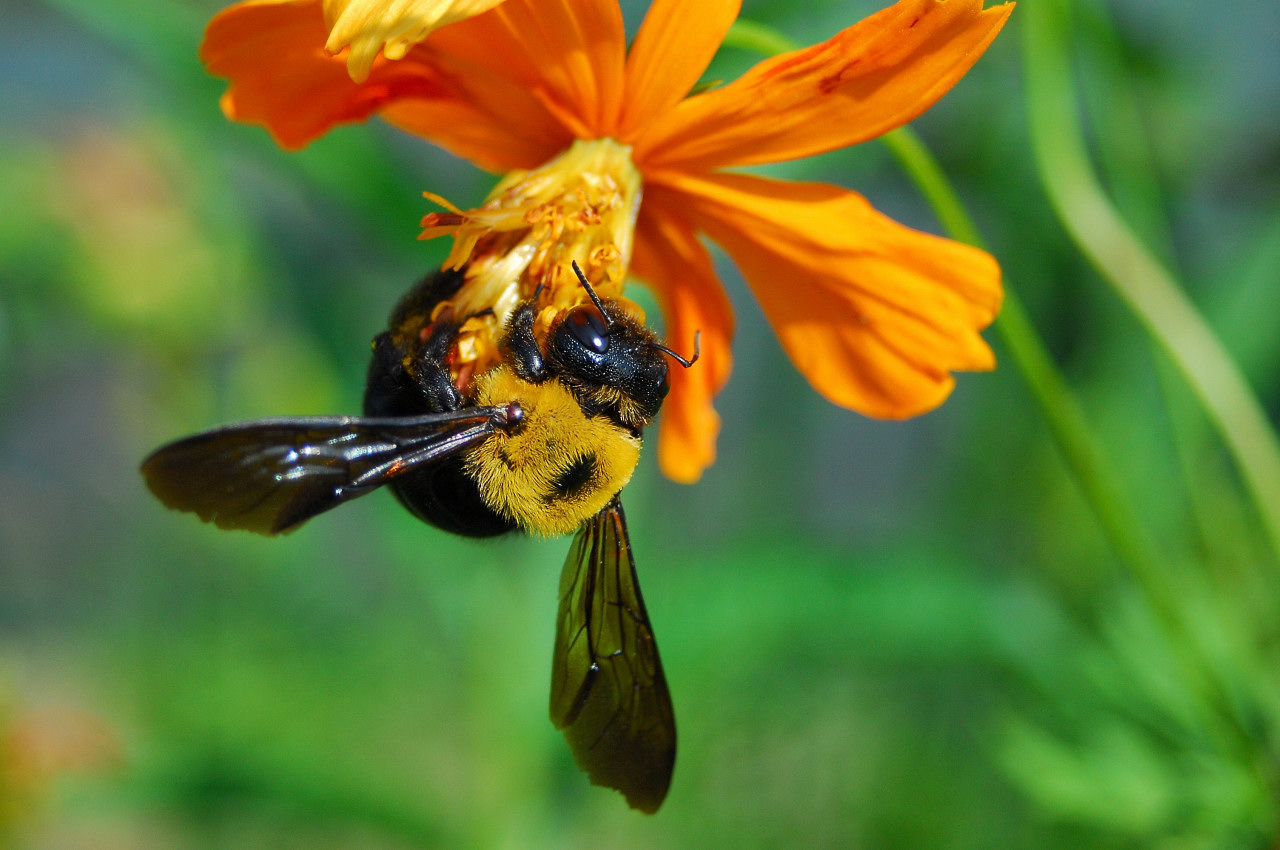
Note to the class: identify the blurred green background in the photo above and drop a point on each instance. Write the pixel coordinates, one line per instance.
(877, 634)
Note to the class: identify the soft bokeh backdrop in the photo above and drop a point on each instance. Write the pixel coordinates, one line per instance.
(877, 634)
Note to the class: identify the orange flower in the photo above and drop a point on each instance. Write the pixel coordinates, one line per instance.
(874, 314)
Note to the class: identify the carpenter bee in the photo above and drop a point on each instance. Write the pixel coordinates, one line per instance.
(542, 442)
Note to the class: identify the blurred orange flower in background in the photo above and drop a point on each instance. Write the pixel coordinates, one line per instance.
(36, 748)
(874, 314)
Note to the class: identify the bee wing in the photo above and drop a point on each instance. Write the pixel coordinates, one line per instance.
(270, 475)
(608, 693)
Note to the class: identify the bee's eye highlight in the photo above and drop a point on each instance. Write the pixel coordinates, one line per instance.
(588, 327)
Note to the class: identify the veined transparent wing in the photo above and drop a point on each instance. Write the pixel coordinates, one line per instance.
(608, 692)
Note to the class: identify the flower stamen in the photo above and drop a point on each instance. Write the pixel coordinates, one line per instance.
(580, 207)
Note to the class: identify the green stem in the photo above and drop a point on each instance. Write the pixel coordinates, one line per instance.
(918, 162)
(1150, 291)
(758, 38)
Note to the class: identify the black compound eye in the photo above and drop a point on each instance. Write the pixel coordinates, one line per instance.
(588, 327)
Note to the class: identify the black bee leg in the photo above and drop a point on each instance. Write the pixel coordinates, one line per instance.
(412, 384)
(526, 356)
(430, 372)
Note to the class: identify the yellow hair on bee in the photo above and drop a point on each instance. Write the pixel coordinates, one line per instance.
(560, 467)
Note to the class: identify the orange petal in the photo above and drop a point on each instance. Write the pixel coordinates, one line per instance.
(874, 314)
(518, 81)
(282, 78)
(496, 120)
(476, 136)
(669, 257)
(390, 26)
(669, 54)
(571, 52)
(872, 77)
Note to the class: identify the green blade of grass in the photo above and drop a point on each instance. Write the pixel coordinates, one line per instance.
(1155, 297)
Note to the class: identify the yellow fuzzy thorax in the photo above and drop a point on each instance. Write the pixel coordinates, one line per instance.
(559, 468)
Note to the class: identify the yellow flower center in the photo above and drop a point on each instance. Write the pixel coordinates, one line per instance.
(579, 207)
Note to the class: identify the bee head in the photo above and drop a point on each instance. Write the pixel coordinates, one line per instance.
(599, 348)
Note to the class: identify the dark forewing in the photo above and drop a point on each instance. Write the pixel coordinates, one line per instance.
(271, 475)
(608, 693)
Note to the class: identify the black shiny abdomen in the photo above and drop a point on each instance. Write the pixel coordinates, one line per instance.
(408, 377)
(444, 496)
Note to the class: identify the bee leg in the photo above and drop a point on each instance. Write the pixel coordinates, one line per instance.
(403, 384)
(430, 372)
(526, 357)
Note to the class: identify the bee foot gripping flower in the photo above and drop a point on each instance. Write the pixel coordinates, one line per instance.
(579, 207)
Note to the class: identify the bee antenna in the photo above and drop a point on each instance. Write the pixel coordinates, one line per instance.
(595, 298)
(697, 349)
